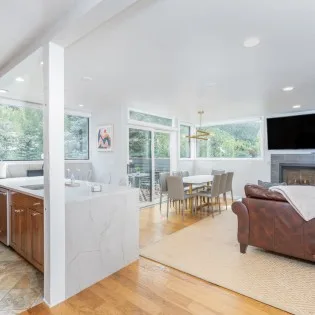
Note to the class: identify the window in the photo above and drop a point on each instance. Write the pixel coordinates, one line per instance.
(76, 137)
(148, 118)
(21, 135)
(185, 149)
(162, 145)
(233, 140)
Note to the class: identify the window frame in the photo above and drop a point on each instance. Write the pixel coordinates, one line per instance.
(260, 119)
(18, 103)
(88, 116)
(193, 147)
(149, 124)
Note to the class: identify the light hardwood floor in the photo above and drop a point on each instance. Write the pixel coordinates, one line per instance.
(146, 287)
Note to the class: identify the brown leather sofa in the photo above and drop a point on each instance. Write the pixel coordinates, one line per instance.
(268, 221)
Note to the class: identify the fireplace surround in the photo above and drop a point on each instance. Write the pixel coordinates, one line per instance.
(294, 169)
(297, 174)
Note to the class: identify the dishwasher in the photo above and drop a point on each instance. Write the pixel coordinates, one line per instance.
(4, 216)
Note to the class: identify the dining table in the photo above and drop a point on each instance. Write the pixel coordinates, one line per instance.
(197, 180)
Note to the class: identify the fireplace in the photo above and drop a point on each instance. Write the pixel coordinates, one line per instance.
(297, 174)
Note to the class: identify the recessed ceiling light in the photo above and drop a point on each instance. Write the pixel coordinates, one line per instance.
(87, 78)
(251, 42)
(288, 88)
(3, 91)
(81, 105)
(19, 79)
(296, 106)
(41, 63)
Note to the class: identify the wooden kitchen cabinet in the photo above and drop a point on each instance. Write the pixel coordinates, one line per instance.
(36, 238)
(23, 233)
(3, 216)
(14, 228)
(27, 228)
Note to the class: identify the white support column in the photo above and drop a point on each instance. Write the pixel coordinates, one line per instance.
(54, 227)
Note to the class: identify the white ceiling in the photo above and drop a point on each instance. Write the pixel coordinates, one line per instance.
(161, 55)
(23, 21)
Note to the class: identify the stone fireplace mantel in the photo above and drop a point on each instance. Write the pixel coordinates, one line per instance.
(294, 168)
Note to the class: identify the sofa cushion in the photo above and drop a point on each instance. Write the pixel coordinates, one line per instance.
(259, 192)
(269, 184)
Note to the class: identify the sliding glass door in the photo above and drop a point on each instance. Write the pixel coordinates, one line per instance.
(149, 155)
(162, 159)
(140, 162)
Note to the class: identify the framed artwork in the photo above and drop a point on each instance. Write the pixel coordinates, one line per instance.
(105, 138)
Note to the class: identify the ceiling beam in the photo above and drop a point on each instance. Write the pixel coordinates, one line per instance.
(84, 8)
(103, 12)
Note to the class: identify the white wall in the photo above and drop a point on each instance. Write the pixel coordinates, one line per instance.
(114, 162)
(245, 171)
(186, 165)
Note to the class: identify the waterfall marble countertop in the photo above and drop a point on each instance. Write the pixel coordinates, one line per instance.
(102, 229)
(72, 194)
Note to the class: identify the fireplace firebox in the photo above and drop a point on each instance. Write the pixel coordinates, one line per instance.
(297, 174)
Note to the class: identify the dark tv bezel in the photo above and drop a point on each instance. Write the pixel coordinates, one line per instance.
(287, 116)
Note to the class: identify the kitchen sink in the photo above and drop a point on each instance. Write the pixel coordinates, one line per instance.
(34, 187)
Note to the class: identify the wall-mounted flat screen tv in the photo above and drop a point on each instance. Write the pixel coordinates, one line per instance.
(291, 132)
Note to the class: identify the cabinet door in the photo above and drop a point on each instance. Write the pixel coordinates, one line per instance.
(36, 234)
(23, 233)
(15, 228)
(3, 217)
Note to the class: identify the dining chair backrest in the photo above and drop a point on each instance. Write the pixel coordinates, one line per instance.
(222, 185)
(175, 187)
(163, 183)
(177, 173)
(215, 189)
(229, 181)
(185, 173)
(217, 172)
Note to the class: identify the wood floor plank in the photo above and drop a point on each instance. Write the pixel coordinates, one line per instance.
(172, 302)
(149, 288)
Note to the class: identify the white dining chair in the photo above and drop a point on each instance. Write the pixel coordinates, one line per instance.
(222, 189)
(176, 192)
(213, 194)
(184, 173)
(217, 172)
(177, 173)
(163, 187)
(229, 184)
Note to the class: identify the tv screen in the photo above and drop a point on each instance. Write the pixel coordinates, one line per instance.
(291, 132)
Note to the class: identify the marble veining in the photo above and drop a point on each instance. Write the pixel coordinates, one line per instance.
(102, 230)
(102, 236)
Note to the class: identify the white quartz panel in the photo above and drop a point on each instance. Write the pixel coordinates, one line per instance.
(73, 194)
(16, 183)
(102, 236)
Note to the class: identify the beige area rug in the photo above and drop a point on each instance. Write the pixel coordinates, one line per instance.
(209, 250)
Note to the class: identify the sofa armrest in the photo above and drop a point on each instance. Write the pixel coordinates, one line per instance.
(243, 224)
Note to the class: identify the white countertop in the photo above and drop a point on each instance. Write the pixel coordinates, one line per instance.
(72, 194)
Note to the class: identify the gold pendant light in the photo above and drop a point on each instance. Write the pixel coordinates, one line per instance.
(200, 134)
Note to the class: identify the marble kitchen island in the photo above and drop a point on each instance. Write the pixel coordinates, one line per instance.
(102, 229)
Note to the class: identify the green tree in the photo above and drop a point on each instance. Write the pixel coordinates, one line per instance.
(239, 140)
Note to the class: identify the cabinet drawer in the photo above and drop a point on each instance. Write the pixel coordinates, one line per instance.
(25, 201)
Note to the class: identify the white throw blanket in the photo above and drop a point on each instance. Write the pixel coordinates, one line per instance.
(301, 198)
